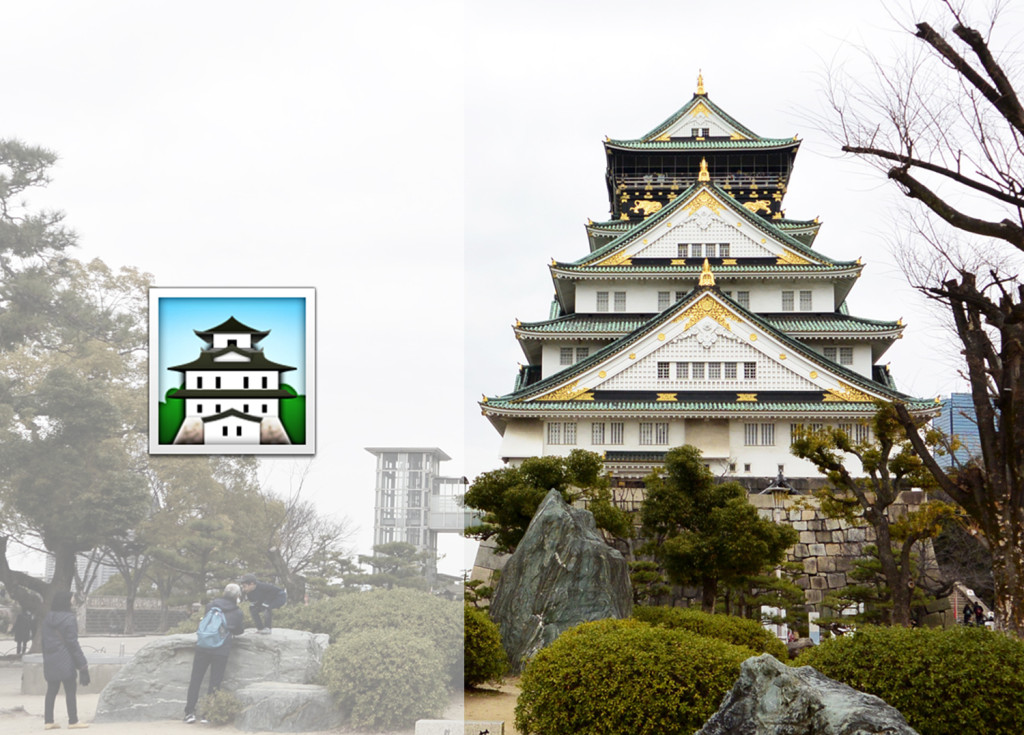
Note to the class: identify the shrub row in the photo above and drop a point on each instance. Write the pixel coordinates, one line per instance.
(945, 682)
(728, 628)
(485, 659)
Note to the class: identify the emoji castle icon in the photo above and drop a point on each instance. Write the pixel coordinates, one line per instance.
(232, 394)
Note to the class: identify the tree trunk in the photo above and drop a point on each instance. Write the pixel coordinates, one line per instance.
(1008, 574)
(129, 612)
(896, 575)
(709, 593)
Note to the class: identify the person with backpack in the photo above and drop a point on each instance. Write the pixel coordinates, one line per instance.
(63, 660)
(222, 621)
(263, 597)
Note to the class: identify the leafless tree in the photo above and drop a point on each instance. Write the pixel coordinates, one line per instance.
(944, 123)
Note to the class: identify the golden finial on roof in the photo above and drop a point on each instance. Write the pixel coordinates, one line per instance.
(703, 175)
(554, 262)
(700, 82)
(707, 278)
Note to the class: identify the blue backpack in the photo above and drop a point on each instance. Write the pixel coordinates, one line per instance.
(213, 629)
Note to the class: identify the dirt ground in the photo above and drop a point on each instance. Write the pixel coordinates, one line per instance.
(22, 714)
(492, 703)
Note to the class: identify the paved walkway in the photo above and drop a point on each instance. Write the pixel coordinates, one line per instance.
(22, 714)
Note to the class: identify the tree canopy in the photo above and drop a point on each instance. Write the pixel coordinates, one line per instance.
(705, 533)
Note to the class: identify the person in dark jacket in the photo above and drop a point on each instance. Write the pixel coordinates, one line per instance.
(63, 660)
(263, 597)
(215, 659)
(23, 629)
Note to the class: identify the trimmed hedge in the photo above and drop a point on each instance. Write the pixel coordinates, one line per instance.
(612, 677)
(431, 618)
(728, 628)
(386, 678)
(945, 682)
(485, 659)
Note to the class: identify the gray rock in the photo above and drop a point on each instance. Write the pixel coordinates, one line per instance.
(561, 574)
(282, 707)
(771, 698)
(152, 686)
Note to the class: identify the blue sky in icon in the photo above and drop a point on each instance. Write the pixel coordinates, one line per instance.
(285, 318)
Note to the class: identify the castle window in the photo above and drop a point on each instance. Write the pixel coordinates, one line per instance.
(845, 355)
(216, 382)
(714, 371)
(730, 371)
(830, 353)
(861, 433)
(653, 433)
(680, 294)
(743, 299)
(602, 301)
(683, 250)
(682, 370)
(705, 132)
(698, 370)
(217, 408)
(554, 433)
(617, 431)
(199, 381)
(750, 371)
(806, 302)
(694, 132)
(620, 301)
(562, 433)
(710, 249)
(245, 382)
(787, 301)
(697, 250)
(199, 408)
(759, 435)
(264, 408)
(582, 353)
(223, 431)
(597, 434)
(663, 300)
(723, 250)
(565, 356)
(663, 370)
(264, 382)
(245, 408)
(238, 431)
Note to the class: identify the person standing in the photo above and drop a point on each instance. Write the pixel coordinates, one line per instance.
(215, 659)
(263, 597)
(63, 660)
(23, 629)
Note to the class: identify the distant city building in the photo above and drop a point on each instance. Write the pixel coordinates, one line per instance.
(100, 573)
(957, 418)
(413, 502)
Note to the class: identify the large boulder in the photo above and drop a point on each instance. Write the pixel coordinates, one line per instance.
(152, 686)
(561, 574)
(279, 707)
(771, 698)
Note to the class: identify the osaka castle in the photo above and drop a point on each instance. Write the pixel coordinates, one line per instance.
(698, 314)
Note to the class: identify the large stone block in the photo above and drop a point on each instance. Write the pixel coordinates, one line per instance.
(770, 698)
(285, 707)
(561, 574)
(816, 549)
(152, 686)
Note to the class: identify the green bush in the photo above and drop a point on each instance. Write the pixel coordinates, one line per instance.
(220, 708)
(623, 676)
(945, 682)
(385, 678)
(485, 659)
(424, 615)
(728, 628)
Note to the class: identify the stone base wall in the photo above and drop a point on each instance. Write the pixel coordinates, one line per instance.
(106, 616)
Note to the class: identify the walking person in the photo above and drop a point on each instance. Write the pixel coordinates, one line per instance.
(63, 660)
(263, 597)
(23, 629)
(212, 649)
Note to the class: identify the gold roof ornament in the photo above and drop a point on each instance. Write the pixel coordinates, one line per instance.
(707, 278)
(700, 82)
(703, 175)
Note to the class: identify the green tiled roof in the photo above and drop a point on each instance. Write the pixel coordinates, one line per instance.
(670, 209)
(723, 270)
(702, 406)
(623, 324)
(255, 360)
(694, 101)
(703, 145)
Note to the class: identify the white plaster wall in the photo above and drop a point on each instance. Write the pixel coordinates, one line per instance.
(551, 354)
(231, 379)
(250, 406)
(213, 432)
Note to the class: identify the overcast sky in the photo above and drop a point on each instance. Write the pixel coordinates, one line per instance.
(419, 164)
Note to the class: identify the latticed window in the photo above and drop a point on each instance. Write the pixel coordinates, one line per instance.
(714, 371)
(697, 369)
(730, 371)
(620, 301)
(750, 371)
(723, 250)
(684, 250)
(646, 434)
(554, 433)
(696, 251)
(845, 355)
(750, 434)
(795, 430)
(616, 432)
(663, 373)
(569, 432)
(847, 429)
(862, 433)
(806, 302)
(602, 301)
(663, 300)
(565, 356)
(597, 434)
(680, 294)
(661, 433)
(582, 353)
(830, 353)
(743, 299)
(710, 250)
(787, 301)
(768, 435)
(682, 370)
